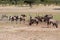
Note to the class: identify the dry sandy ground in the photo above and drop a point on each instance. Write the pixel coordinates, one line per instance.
(25, 32)
(28, 32)
(28, 9)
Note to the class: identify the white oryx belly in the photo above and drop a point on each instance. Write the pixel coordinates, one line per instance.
(52, 20)
(36, 19)
(14, 17)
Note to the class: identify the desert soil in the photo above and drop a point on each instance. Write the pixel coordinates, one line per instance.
(23, 32)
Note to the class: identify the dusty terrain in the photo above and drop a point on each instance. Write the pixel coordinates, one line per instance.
(23, 32)
(34, 9)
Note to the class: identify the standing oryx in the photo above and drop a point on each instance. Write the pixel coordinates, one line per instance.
(33, 20)
(16, 18)
(22, 18)
(49, 20)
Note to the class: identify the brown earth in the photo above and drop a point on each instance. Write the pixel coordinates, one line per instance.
(23, 31)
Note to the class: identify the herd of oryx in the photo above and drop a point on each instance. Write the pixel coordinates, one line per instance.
(48, 19)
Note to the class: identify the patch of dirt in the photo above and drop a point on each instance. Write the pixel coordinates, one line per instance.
(9, 31)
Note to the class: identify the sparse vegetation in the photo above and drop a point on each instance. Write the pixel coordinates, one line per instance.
(21, 2)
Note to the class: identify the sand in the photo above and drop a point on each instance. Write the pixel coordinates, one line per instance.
(15, 32)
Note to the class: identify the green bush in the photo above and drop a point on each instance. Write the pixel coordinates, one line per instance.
(16, 2)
